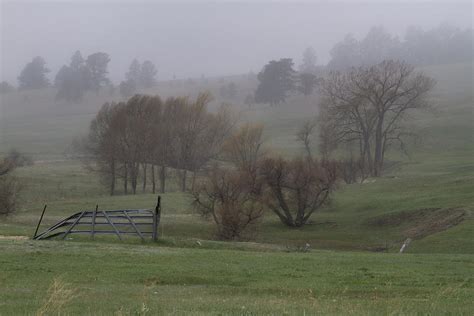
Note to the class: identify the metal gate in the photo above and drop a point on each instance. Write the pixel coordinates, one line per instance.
(141, 223)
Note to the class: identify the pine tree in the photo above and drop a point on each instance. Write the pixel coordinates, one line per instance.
(33, 76)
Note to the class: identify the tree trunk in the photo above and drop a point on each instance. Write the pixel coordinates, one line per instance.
(193, 181)
(153, 180)
(112, 177)
(378, 155)
(144, 177)
(162, 178)
(134, 176)
(125, 179)
(183, 181)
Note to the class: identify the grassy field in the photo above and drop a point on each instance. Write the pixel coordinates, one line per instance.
(106, 279)
(340, 275)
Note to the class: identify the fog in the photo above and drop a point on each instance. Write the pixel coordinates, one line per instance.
(199, 38)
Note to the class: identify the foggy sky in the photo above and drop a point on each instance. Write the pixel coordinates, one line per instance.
(199, 38)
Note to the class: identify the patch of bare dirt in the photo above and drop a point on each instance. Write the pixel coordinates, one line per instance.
(421, 223)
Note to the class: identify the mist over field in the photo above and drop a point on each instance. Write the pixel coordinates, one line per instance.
(190, 39)
(236, 157)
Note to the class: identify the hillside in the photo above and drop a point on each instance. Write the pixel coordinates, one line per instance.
(438, 174)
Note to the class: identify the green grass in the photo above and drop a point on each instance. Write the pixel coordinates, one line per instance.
(108, 278)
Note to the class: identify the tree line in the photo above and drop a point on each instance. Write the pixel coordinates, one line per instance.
(443, 44)
(147, 136)
(82, 75)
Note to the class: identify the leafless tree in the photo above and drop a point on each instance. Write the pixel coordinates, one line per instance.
(367, 105)
(232, 199)
(101, 148)
(199, 135)
(245, 148)
(128, 140)
(297, 188)
(305, 134)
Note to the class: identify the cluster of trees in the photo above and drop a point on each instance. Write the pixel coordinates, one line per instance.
(82, 75)
(146, 135)
(236, 196)
(363, 111)
(33, 76)
(139, 76)
(278, 79)
(444, 44)
(233, 178)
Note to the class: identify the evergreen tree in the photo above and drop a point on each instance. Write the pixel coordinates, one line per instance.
(97, 64)
(33, 76)
(276, 80)
(147, 74)
(73, 81)
(134, 71)
(309, 61)
(77, 61)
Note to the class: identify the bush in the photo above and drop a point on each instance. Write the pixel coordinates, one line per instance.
(297, 188)
(232, 199)
(9, 188)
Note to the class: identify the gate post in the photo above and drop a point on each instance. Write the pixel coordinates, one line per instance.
(156, 218)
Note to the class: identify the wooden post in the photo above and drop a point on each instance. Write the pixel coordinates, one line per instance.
(40, 220)
(156, 218)
(93, 221)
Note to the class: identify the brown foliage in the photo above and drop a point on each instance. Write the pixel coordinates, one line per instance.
(232, 199)
(126, 137)
(245, 147)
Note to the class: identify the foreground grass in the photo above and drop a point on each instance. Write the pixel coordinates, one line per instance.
(139, 279)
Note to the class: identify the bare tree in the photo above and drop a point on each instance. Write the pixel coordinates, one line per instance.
(101, 147)
(245, 148)
(199, 135)
(305, 134)
(232, 199)
(297, 188)
(368, 105)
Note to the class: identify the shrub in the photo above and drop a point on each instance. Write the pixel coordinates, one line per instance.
(297, 188)
(232, 199)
